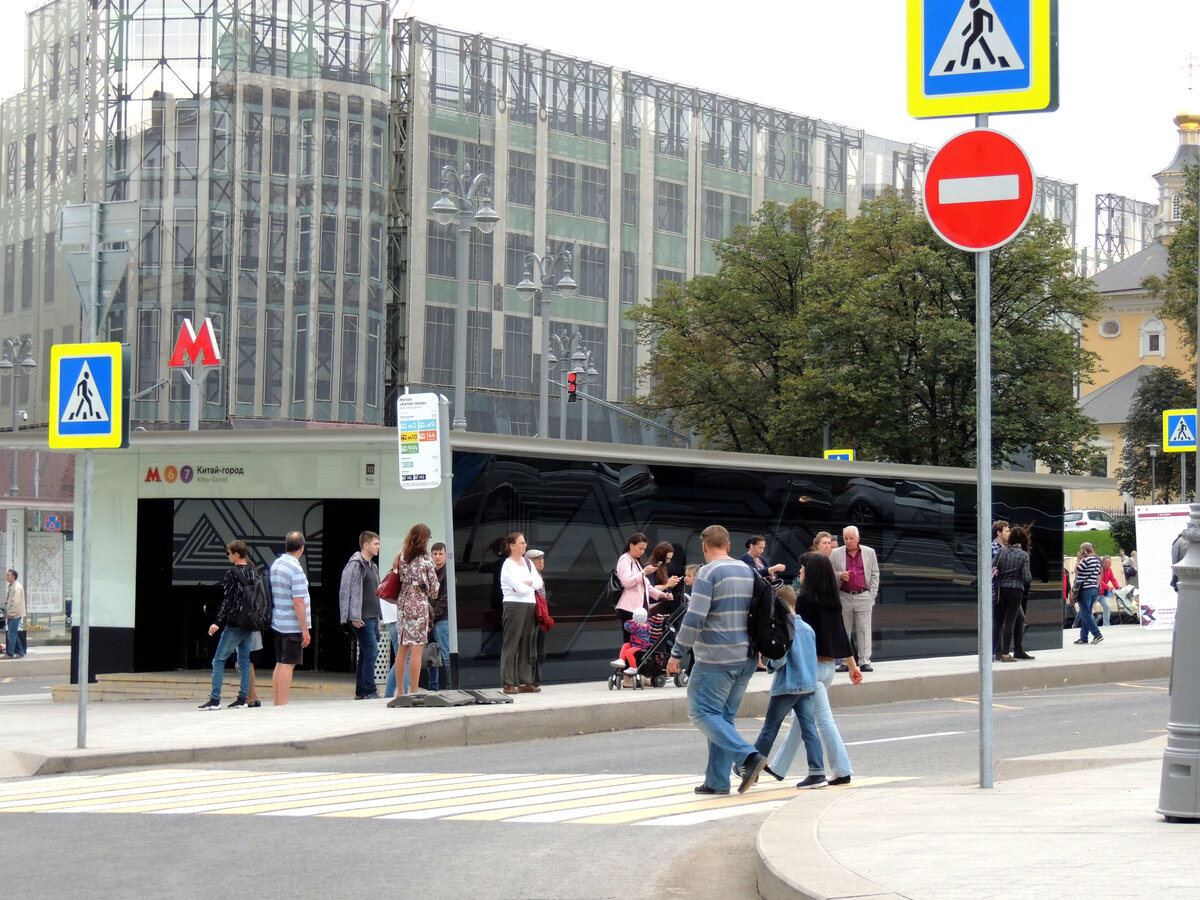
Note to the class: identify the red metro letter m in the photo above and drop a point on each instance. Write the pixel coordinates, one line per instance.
(202, 349)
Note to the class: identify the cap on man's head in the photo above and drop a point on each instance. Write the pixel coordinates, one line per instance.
(534, 554)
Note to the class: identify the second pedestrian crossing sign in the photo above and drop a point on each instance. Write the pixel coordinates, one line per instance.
(86, 397)
(1179, 430)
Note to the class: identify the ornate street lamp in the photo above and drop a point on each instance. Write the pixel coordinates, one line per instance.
(530, 290)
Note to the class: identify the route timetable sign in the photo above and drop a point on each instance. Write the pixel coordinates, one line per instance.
(979, 190)
(967, 57)
(86, 397)
(420, 441)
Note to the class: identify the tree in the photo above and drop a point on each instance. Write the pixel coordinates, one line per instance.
(869, 325)
(1178, 288)
(1163, 388)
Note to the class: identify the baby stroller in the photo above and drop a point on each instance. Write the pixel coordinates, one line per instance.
(1127, 605)
(652, 662)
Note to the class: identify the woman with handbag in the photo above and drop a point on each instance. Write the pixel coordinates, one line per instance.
(636, 589)
(519, 581)
(418, 582)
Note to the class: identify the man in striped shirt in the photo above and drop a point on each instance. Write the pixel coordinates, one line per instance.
(291, 614)
(714, 629)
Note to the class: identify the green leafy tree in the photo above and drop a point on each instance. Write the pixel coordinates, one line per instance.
(868, 325)
(1163, 388)
(1178, 288)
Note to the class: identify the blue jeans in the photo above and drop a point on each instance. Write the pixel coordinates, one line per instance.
(714, 695)
(15, 646)
(389, 690)
(804, 727)
(232, 638)
(777, 709)
(441, 634)
(368, 651)
(1106, 614)
(1087, 624)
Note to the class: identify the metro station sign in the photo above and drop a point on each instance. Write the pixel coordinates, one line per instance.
(199, 348)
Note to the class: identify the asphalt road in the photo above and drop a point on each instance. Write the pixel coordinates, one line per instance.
(185, 832)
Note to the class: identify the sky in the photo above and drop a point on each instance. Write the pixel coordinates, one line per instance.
(1123, 69)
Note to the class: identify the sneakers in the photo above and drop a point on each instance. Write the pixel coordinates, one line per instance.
(1081, 641)
(865, 667)
(812, 781)
(631, 671)
(253, 704)
(751, 768)
(705, 789)
(617, 663)
(838, 782)
(1097, 639)
(843, 668)
(210, 704)
(239, 703)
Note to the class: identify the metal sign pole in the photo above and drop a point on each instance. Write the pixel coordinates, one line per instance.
(448, 512)
(85, 504)
(983, 464)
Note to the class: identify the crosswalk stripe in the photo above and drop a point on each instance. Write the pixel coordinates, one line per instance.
(584, 799)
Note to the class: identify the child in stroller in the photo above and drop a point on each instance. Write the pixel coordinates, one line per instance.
(649, 661)
(639, 640)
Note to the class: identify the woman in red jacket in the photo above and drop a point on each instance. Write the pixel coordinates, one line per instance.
(1108, 584)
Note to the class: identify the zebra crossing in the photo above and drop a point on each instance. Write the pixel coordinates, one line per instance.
(568, 799)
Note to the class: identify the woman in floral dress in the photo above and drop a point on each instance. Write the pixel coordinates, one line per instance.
(418, 583)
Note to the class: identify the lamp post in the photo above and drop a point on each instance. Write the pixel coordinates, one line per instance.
(529, 290)
(17, 362)
(1153, 451)
(468, 200)
(569, 348)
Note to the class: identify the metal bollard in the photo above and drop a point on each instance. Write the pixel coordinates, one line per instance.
(1179, 794)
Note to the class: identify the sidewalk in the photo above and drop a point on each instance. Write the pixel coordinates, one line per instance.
(1082, 824)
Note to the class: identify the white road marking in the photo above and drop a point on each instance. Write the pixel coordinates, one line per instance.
(907, 737)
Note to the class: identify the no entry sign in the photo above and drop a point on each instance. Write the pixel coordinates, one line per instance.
(979, 190)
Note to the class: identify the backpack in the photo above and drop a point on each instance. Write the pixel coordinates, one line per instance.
(769, 622)
(254, 612)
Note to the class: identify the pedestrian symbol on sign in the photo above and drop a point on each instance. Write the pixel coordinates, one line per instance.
(1182, 434)
(977, 42)
(89, 397)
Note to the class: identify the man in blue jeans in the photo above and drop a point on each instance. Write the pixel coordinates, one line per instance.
(359, 608)
(714, 629)
(237, 634)
(440, 626)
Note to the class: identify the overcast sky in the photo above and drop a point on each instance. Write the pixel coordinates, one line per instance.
(1123, 69)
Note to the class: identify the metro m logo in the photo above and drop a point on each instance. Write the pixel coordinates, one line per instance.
(152, 474)
(202, 349)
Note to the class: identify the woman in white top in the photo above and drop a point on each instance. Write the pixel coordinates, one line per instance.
(518, 581)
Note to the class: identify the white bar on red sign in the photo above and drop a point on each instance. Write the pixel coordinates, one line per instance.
(980, 189)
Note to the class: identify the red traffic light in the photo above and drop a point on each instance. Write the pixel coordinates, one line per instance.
(571, 387)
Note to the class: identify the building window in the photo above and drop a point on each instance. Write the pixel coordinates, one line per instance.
(835, 167)
(440, 255)
(348, 391)
(354, 150)
(324, 392)
(1176, 207)
(479, 262)
(187, 139)
(628, 278)
(10, 277)
(252, 141)
(27, 273)
(521, 178)
(375, 253)
(304, 243)
(300, 358)
(1153, 338)
(739, 212)
(250, 229)
(669, 206)
(247, 354)
(593, 271)
(446, 65)
(593, 199)
(673, 123)
(518, 353)
(280, 145)
(220, 142)
(443, 151)
(1110, 328)
(150, 246)
(629, 199)
(713, 137)
(562, 186)
(332, 148)
(328, 244)
(277, 243)
(147, 348)
(516, 245)
(185, 238)
(273, 358)
(739, 146)
(776, 157)
(439, 345)
(479, 348)
(371, 384)
(626, 364)
(218, 241)
(714, 215)
(376, 155)
(307, 148)
(353, 244)
(661, 275)
(48, 245)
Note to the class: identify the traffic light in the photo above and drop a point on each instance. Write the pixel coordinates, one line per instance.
(571, 387)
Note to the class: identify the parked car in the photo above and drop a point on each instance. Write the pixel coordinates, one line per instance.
(1086, 520)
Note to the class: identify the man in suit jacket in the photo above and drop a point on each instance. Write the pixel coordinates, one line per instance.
(857, 571)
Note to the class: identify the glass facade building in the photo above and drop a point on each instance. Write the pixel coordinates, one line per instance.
(253, 137)
(637, 177)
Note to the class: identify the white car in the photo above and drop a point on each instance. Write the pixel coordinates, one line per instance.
(1086, 520)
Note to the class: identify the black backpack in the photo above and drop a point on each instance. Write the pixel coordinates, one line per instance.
(254, 612)
(769, 622)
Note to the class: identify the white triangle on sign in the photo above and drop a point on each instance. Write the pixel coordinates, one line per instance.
(85, 403)
(977, 42)
(1182, 434)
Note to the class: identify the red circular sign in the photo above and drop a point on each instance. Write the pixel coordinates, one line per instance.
(979, 190)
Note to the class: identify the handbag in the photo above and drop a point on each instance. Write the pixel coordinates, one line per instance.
(431, 656)
(542, 612)
(389, 588)
(614, 589)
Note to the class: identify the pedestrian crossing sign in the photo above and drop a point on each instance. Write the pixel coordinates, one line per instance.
(1179, 430)
(967, 57)
(86, 397)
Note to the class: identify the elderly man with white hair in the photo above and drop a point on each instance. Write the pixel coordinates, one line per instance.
(857, 571)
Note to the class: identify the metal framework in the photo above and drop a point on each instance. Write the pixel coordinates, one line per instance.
(1124, 226)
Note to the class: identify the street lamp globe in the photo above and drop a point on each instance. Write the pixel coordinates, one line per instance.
(566, 285)
(525, 287)
(445, 209)
(486, 219)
